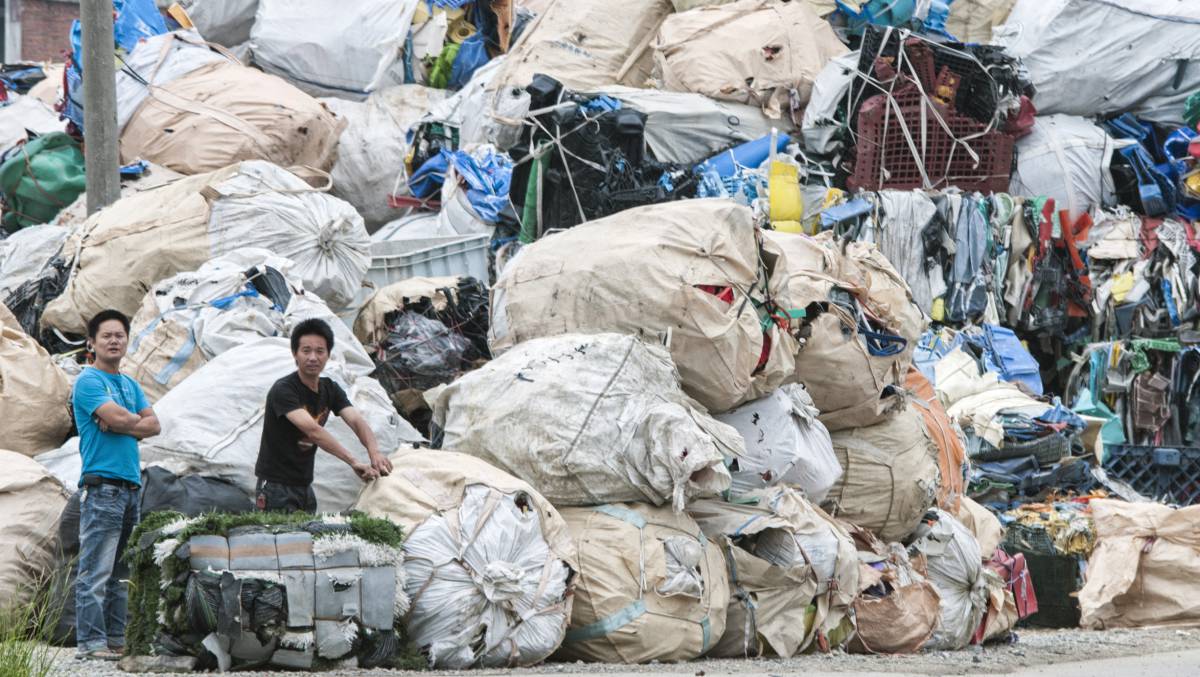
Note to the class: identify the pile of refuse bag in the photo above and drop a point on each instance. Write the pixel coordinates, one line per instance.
(692, 327)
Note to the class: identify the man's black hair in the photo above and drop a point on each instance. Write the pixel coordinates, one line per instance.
(312, 327)
(103, 316)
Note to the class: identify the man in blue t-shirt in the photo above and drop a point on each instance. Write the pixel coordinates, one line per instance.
(112, 414)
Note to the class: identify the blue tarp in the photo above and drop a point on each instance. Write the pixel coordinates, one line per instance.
(488, 176)
(134, 20)
(472, 56)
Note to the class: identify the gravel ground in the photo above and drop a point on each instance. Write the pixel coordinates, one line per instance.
(1032, 648)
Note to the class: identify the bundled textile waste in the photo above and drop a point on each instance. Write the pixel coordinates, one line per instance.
(692, 327)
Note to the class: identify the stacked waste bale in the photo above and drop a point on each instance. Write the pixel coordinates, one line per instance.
(489, 562)
(256, 590)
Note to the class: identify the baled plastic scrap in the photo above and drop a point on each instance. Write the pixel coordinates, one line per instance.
(586, 420)
(177, 81)
(220, 436)
(1066, 158)
(32, 499)
(1160, 588)
(1100, 58)
(863, 327)
(190, 318)
(372, 147)
(896, 609)
(489, 560)
(486, 174)
(150, 236)
(891, 476)
(699, 273)
(586, 44)
(793, 573)
(650, 586)
(248, 590)
(35, 414)
(38, 178)
(756, 52)
(956, 570)
(785, 443)
(348, 53)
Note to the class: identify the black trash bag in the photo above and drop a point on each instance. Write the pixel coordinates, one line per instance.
(264, 605)
(191, 494)
(28, 301)
(419, 353)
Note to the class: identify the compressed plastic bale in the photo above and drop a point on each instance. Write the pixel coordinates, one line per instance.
(694, 271)
(982, 523)
(35, 394)
(225, 22)
(156, 61)
(588, 419)
(488, 560)
(973, 21)
(688, 128)
(24, 253)
(186, 320)
(347, 53)
(1096, 59)
(31, 500)
(223, 113)
(851, 383)
(897, 609)
(25, 114)
(370, 325)
(952, 453)
(144, 238)
(1066, 158)
(39, 177)
(890, 477)
(651, 586)
(586, 44)
(1144, 568)
(785, 443)
(756, 52)
(221, 438)
(793, 573)
(956, 569)
(372, 149)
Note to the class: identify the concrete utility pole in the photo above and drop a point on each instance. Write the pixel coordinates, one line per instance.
(102, 162)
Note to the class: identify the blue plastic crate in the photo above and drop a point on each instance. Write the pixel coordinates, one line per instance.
(1160, 472)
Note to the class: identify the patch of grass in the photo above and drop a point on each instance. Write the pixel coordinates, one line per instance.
(376, 530)
(25, 633)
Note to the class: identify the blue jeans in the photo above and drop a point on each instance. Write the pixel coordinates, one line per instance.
(107, 516)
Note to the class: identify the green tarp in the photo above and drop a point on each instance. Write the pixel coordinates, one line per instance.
(39, 179)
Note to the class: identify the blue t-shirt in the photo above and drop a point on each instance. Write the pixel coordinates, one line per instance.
(108, 454)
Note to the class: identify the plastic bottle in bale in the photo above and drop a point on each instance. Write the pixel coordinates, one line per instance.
(651, 586)
(488, 559)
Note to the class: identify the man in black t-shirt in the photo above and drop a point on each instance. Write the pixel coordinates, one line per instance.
(298, 405)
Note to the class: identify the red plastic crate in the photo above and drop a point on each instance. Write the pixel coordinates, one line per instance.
(882, 144)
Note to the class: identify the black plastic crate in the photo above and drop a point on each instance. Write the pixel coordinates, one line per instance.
(1056, 577)
(1159, 472)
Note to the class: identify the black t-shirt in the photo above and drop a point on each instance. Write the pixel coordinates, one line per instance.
(285, 455)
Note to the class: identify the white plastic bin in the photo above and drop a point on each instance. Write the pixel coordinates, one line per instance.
(395, 260)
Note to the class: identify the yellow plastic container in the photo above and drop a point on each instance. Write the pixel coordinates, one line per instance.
(783, 189)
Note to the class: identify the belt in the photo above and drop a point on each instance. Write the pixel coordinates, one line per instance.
(91, 480)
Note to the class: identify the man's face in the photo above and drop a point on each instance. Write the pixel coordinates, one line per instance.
(111, 341)
(312, 355)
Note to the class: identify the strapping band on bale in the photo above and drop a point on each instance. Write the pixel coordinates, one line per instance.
(623, 514)
(620, 619)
